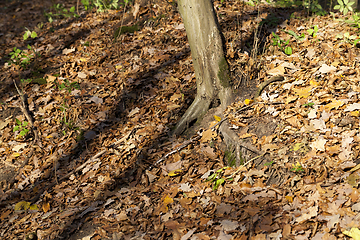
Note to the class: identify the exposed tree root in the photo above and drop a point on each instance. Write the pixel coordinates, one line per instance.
(197, 110)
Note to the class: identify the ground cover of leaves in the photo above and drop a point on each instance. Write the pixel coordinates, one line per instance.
(91, 175)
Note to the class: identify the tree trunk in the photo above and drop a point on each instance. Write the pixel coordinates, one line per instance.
(211, 68)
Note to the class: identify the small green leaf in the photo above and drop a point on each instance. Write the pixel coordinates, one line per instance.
(18, 122)
(288, 51)
(33, 34)
(26, 36)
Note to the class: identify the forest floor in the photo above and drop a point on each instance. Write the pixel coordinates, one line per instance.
(101, 163)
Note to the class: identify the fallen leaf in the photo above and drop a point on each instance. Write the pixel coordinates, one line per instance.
(326, 69)
(334, 104)
(208, 135)
(303, 92)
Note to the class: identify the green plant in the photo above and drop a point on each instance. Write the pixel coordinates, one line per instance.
(60, 11)
(67, 85)
(355, 20)
(252, 3)
(310, 104)
(103, 5)
(28, 34)
(20, 58)
(348, 38)
(297, 168)
(21, 126)
(230, 158)
(282, 45)
(268, 163)
(314, 7)
(313, 31)
(297, 37)
(217, 178)
(344, 6)
(87, 4)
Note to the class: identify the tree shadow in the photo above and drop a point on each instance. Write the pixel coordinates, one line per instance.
(127, 99)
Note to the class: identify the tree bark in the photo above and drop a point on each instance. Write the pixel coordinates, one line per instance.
(211, 68)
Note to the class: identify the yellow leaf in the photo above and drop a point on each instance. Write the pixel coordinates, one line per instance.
(303, 92)
(34, 207)
(23, 205)
(15, 154)
(168, 200)
(289, 198)
(174, 172)
(355, 113)
(354, 233)
(248, 101)
(314, 83)
(298, 146)
(83, 59)
(334, 104)
(217, 118)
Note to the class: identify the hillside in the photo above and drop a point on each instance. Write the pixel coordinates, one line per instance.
(105, 89)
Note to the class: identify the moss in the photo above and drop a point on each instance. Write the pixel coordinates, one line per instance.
(126, 29)
(223, 73)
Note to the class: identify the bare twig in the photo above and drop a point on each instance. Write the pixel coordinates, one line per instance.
(175, 150)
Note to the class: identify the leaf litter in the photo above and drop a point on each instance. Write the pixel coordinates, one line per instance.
(93, 171)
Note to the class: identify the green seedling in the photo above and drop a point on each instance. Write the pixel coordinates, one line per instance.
(348, 38)
(252, 3)
(216, 178)
(19, 58)
(282, 45)
(310, 104)
(28, 34)
(103, 5)
(268, 163)
(60, 12)
(21, 126)
(314, 7)
(297, 37)
(344, 6)
(26, 81)
(313, 31)
(67, 85)
(297, 168)
(355, 20)
(87, 4)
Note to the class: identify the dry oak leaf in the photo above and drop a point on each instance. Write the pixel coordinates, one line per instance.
(279, 70)
(303, 92)
(319, 144)
(311, 212)
(334, 104)
(352, 107)
(207, 135)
